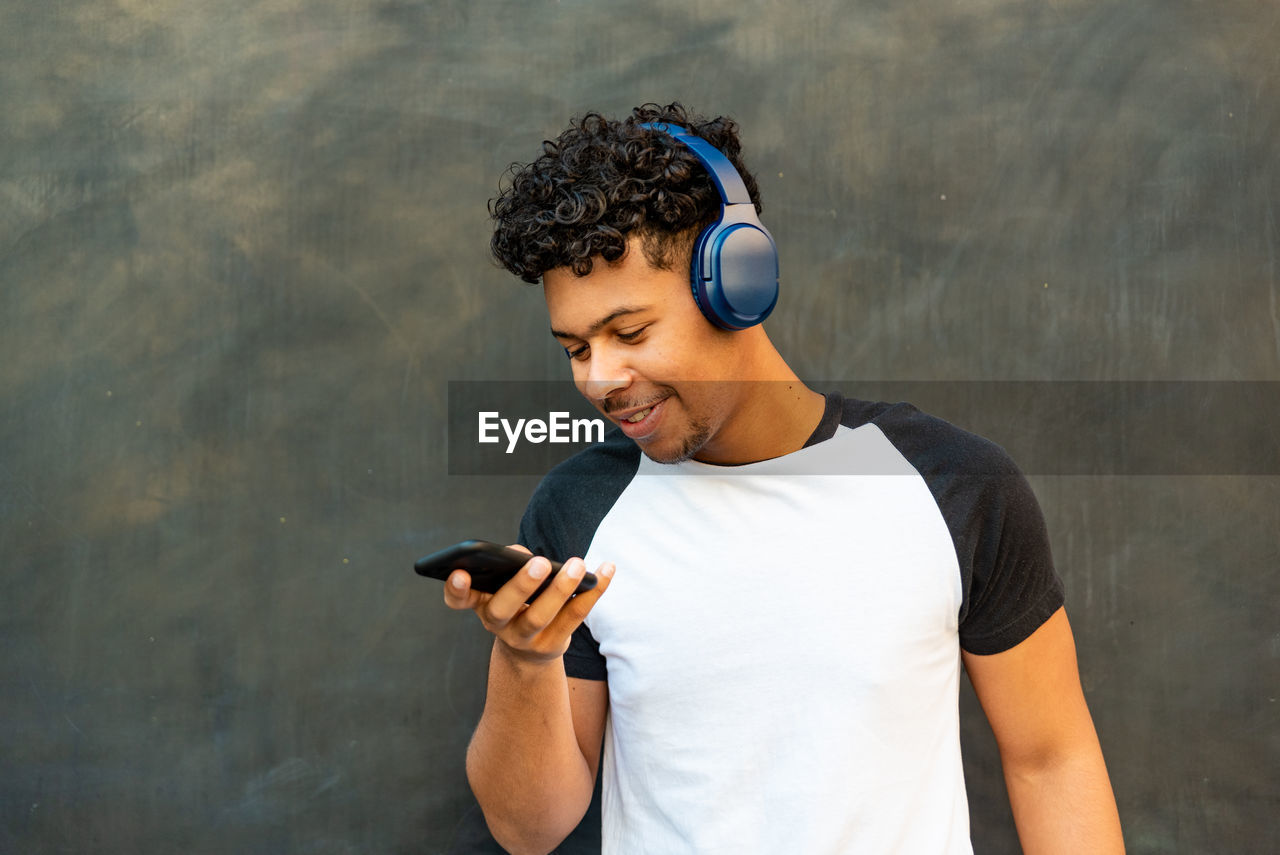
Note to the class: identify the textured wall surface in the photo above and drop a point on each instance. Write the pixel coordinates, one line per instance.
(243, 249)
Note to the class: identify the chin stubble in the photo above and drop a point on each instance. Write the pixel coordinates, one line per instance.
(694, 440)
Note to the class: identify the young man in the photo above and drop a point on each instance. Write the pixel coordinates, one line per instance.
(775, 667)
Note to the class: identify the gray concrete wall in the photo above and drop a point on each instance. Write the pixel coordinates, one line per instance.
(243, 249)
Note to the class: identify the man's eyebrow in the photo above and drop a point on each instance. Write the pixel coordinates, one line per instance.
(598, 325)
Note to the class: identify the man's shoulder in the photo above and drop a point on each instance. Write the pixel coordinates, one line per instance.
(930, 443)
(597, 473)
(615, 454)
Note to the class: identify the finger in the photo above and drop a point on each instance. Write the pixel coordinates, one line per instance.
(576, 610)
(549, 603)
(518, 548)
(458, 593)
(510, 599)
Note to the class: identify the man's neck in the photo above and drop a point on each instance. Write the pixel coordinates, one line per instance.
(776, 415)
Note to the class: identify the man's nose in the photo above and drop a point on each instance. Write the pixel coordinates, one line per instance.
(606, 373)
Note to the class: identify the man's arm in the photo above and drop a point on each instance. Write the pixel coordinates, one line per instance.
(1053, 767)
(534, 756)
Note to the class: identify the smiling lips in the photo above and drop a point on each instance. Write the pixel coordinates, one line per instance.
(638, 424)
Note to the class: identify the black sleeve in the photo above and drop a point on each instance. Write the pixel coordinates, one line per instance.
(583, 659)
(558, 523)
(1012, 587)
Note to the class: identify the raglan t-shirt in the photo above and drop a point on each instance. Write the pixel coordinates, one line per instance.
(782, 639)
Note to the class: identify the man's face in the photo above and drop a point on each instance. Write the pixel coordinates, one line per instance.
(644, 355)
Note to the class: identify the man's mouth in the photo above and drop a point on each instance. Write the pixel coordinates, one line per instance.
(643, 422)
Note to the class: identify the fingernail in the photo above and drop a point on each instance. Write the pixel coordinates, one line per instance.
(458, 581)
(575, 570)
(607, 571)
(538, 569)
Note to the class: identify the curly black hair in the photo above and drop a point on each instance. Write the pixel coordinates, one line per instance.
(603, 179)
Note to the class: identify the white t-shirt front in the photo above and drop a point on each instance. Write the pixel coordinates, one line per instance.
(782, 639)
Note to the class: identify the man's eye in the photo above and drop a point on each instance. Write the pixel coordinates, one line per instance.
(575, 352)
(633, 335)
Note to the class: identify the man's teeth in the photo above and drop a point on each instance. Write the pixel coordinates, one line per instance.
(639, 416)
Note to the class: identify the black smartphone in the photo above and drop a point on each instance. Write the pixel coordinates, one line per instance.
(490, 566)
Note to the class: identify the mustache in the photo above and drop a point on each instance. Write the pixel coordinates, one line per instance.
(612, 405)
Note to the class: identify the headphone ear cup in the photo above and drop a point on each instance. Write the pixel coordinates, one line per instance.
(735, 274)
(700, 274)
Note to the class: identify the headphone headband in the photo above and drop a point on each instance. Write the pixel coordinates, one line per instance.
(733, 190)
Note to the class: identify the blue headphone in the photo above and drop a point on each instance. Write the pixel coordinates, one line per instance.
(735, 261)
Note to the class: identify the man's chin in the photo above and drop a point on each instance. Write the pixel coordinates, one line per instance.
(681, 450)
(658, 456)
